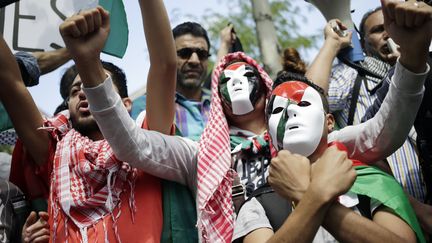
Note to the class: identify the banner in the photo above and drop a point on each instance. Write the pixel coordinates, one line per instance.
(32, 25)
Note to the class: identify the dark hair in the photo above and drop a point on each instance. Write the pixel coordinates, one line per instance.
(192, 28)
(67, 80)
(118, 77)
(289, 76)
(117, 74)
(292, 62)
(364, 18)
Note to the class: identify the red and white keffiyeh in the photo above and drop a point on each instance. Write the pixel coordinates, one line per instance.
(87, 178)
(215, 176)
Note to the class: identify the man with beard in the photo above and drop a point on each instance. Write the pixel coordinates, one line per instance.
(235, 139)
(94, 197)
(351, 92)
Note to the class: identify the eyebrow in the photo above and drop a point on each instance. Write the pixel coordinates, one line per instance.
(376, 27)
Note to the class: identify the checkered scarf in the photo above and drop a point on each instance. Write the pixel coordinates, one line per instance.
(87, 178)
(215, 176)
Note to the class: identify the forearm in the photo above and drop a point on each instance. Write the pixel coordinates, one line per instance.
(161, 81)
(320, 69)
(167, 157)
(303, 223)
(223, 50)
(20, 106)
(51, 60)
(347, 226)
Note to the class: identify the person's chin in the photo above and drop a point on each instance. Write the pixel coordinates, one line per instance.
(191, 83)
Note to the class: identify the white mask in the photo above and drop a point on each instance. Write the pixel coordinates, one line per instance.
(238, 86)
(296, 118)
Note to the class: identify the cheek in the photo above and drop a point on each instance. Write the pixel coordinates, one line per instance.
(223, 89)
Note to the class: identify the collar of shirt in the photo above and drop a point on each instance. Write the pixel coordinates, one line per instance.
(205, 97)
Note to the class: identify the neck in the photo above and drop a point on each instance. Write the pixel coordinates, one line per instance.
(189, 93)
(319, 151)
(253, 122)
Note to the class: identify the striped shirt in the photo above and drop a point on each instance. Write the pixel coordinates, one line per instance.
(404, 162)
(191, 116)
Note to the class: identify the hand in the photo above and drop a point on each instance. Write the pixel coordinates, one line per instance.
(332, 174)
(409, 24)
(289, 175)
(85, 34)
(227, 36)
(36, 230)
(339, 42)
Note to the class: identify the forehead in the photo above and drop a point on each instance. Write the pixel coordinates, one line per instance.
(292, 90)
(237, 66)
(188, 40)
(374, 19)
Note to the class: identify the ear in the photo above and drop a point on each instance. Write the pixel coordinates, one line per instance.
(330, 122)
(127, 102)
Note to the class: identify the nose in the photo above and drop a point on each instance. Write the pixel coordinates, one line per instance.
(236, 81)
(385, 35)
(81, 95)
(291, 111)
(194, 59)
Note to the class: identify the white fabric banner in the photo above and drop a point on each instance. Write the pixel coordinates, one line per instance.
(32, 25)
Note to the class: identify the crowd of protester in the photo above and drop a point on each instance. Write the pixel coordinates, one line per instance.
(320, 153)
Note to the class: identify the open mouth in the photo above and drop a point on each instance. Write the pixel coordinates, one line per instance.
(293, 127)
(385, 50)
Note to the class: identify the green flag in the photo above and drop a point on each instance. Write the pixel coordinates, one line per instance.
(118, 37)
(5, 122)
(379, 185)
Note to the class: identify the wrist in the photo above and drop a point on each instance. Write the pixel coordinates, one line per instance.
(332, 45)
(91, 72)
(320, 192)
(414, 62)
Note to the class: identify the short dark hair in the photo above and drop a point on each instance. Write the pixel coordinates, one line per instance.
(118, 77)
(289, 76)
(363, 21)
(117, 74)
(192, 28)
(67, 80)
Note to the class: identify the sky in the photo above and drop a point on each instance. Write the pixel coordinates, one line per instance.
(135, 62)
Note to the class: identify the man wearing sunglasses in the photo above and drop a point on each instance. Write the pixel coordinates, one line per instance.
(191, 114)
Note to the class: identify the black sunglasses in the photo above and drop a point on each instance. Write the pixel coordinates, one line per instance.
(187, 52)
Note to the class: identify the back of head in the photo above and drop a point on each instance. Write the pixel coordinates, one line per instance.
(292, 62)
(192, 28)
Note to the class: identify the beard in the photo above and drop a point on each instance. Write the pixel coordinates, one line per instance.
(86, 126)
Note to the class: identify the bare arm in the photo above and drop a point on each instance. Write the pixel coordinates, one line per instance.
(161, 81)
(51, 60)
(289, 175)
(319, 70)
(20, 106)
(227, 38)
(300, 226)
(347, 226)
